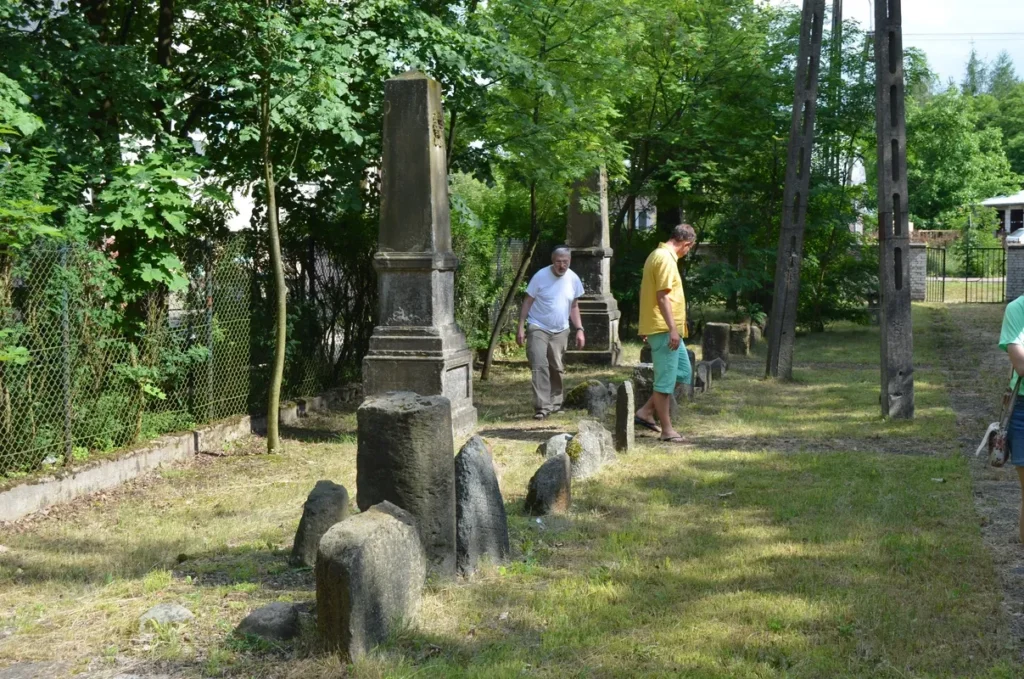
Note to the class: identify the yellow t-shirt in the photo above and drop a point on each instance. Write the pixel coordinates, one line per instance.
(661, 272)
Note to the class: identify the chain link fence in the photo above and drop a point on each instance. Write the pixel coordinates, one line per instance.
(73, 382)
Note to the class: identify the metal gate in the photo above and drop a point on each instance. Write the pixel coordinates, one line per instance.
(966, 275)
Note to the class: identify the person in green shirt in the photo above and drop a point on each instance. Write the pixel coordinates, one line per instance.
(1011, 340)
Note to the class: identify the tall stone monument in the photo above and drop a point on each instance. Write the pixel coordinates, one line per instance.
(782, 329)
(589, 240)
(417, 347)
(893, 221)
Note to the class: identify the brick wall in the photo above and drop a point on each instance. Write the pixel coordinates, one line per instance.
(1014, 272)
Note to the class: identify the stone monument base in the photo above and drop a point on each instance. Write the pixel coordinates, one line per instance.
(426, 362)
(600, 318)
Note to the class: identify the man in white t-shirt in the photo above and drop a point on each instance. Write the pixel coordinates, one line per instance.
(552, 299)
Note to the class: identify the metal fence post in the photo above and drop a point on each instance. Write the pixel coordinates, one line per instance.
(65, 334)
(209, 332)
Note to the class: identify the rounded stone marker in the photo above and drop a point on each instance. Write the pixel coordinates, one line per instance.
(481, 524)
(406, 456)
(550, 490)
(326, 505)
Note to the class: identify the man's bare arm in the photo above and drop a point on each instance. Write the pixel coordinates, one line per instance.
(665, 305)
(1016, 352)
(523, 313)
(577, 322)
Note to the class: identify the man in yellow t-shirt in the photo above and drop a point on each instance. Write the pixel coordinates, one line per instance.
(663, 322)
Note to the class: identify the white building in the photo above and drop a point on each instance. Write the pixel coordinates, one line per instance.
(1010, 210)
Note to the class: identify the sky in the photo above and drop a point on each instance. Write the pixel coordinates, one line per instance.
(944, 29)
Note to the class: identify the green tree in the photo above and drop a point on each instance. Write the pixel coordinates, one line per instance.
(1004, 76)
(950, 163)
(976, 75)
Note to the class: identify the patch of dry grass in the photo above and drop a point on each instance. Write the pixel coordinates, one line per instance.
(785, 541)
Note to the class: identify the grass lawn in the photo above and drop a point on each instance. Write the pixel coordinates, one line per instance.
(798, 535)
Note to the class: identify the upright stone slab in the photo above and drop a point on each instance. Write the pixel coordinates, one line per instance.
(406, 456)
(897, 350)
(480, 520)
(589, 240)
(739, 340)
(550, 489)
(625, 429)
(370, 572)
(715, 342)
(326, 505)
(795, 197)
(417, 347)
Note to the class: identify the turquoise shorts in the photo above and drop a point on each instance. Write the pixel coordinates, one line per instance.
(670, 366)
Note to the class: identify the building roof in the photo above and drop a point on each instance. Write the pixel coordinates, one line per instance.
(1005, 201)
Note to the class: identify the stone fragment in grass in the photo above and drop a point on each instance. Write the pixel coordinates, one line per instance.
(406, 456)
(598, 399)
(370, 571)
(162, 615)
(554, 446)
(326, 505)
(550, 490)
(625, 429)
(278, 621)
(718, 369)
(481, 526)
(643, 383)
(575, 398)
(702, 378)
(739, 340)
(591, 449)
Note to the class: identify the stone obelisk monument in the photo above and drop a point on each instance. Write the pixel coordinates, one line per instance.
(589, 240)
(782, 328)
(893, 220)
(417, 346)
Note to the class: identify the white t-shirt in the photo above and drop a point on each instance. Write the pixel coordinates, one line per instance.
(553, 297)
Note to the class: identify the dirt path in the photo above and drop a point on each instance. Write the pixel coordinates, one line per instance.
(977, 372)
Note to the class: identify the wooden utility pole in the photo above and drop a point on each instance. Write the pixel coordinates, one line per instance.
(782, 326)
(897, 399)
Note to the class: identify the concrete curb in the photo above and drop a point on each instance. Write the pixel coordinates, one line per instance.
(20, 501)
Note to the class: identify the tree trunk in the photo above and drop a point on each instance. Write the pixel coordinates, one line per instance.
(280, 295)
(485, 372)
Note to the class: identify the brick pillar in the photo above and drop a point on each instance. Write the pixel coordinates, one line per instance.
(1014, 272)
(918, 272)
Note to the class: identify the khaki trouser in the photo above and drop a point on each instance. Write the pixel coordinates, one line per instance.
(545, 351)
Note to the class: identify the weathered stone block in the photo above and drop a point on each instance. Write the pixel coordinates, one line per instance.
(370, 572)
(481, 523)
(718, 368)
(550, 490)
(591, 449)
(278, 621)
(326, 505)
(646, 355)
(554, 446)
(406, 457)
(739, 340)
(756, 335)
(715, 342)
(702, 378)
(643, 382)
(625, 408)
